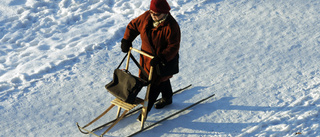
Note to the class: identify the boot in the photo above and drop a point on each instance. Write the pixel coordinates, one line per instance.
(162, 103)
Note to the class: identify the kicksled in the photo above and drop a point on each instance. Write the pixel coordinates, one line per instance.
(122, 104)
(129, 107)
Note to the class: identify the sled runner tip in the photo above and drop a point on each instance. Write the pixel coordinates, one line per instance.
(87, 131)
(80, 129)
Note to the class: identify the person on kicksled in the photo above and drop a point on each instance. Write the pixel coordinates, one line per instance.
(160, 35)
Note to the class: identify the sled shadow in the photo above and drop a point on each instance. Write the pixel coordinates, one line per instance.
(196, 120)
(188, 123)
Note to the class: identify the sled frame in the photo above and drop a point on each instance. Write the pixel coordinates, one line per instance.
(123, 105)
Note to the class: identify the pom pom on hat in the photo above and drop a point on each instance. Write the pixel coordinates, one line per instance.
(160, 6)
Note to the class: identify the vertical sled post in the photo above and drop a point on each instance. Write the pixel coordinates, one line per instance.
(128, 59)
(146, 100)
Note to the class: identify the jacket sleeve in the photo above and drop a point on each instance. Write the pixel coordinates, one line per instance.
(133, 28)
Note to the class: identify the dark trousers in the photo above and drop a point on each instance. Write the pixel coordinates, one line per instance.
(164, 88)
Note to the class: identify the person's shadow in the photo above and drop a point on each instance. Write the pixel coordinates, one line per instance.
(199, 120)
(196, 121)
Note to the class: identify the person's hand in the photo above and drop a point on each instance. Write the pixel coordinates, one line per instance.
(155, 61)
(125, 45)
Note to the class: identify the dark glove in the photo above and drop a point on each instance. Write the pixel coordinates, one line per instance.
(156, 60)
(125, 45)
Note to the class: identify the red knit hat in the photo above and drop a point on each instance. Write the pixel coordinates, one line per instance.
(160, 6)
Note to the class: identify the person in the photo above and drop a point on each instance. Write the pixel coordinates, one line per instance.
(160, 35)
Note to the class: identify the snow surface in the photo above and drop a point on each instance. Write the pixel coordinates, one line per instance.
(260, 58)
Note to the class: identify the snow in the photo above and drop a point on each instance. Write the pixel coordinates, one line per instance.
(260, 58)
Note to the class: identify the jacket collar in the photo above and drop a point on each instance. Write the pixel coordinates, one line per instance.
(164, 23)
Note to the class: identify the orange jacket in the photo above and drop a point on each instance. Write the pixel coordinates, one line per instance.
(165, 38)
